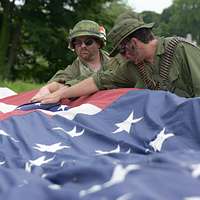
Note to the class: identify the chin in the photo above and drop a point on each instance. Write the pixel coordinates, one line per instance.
(133, 61)
(136, 62)
(84, 57)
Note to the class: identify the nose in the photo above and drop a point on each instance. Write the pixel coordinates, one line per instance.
(83, 44)
(126, 55)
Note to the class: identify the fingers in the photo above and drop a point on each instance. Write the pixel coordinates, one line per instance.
(41, 93)
(36, 98)
(33, 99)
(47, 101)
(50, 99)
(42, 100)
(44, 97)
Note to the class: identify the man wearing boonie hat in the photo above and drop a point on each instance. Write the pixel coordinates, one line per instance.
(86, 39)
(143, 61)
(156, 63)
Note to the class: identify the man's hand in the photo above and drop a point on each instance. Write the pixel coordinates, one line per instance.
(85, 87)
(42, 92)
(46, 90)
(54, 97)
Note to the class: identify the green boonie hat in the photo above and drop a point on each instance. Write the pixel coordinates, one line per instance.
(128, 14)
(87, 28)
(123, 29)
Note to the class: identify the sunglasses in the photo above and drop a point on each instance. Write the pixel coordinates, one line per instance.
(122, 49)
(87, 42)
(125, 47)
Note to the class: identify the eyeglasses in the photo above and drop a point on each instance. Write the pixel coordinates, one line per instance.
(87, 42)
(124, 46)
(122, 49)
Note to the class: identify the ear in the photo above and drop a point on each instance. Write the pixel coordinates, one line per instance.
(98, 44)
(134, 41)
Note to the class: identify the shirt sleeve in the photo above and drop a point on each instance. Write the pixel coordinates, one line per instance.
(193, 59)
(119, 74)
(71, 72)
(188, 57)
(78, 79)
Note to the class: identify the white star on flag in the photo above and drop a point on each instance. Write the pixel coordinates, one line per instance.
(2, 132)
(192, 198)
(120, 173)
(87, 109)
(41, 160)
(126, 124)
(62, 107)
(25, 182)
(50, 148)
(118, 176)
(71, 133)
(195, 170)
(54, 187)
(117, 150)
(2, 162)
(160, 139)
(37, 162)
(127, 196)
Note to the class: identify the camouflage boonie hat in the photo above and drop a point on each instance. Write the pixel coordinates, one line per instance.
(87, 28)
(122, 30)
(128, 14)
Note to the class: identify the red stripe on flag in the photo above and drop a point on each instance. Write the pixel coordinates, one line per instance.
(100, 99)
(20, 98)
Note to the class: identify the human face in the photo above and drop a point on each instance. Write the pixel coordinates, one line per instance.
(130, 49)
(86, 48)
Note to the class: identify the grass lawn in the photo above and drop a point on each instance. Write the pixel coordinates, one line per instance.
(20, 86)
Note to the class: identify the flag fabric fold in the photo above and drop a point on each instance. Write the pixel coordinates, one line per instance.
(121, 144)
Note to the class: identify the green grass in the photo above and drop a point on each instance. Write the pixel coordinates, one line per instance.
(20, 86)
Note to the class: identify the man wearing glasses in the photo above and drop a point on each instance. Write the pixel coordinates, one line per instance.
(155, 63)
(86, 39)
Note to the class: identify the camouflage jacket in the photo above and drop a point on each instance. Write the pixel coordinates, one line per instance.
(184, 72)
(78, 71)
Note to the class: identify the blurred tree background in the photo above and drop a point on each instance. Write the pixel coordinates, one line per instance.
(33, 33)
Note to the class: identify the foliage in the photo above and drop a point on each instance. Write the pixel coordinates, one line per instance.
(20, 86)
(181, 18)
(186, 18)
(109, 14)
(149, 17)
(33, 35)
(38, 31)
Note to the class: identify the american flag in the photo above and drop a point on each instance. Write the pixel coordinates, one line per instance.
(122, 144)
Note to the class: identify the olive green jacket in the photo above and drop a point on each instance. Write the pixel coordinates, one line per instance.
(184, 73)
(77, 71)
